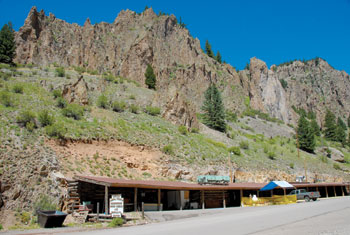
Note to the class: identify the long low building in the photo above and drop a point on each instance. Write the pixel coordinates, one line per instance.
(176, 195)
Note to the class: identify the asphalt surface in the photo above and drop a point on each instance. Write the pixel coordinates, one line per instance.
(328, 216)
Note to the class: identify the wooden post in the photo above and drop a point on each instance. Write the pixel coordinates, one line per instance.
(257, 193)
(143, 210)
(135, 199)
(106, 200)
(203, 200)
(180, 200)
(98, 212)
(241, 194)
(326, 191)
(271, 192)
(342, 191)
(159, 199)
(335, 192)
(284, 191)
(223, 199)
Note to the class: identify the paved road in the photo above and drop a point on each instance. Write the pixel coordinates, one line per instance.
(329, 216)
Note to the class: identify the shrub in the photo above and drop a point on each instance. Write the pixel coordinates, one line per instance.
(336, 166)
(183, 130)
(56, 130)
(45, 203)
(116, 222)
(154, 111)
(56, 94)
(284, 83)
(134, 108)
(1, 227)
(79, 70)
(45, 118)
(18, 88)
(25, 118)
(236, 150)
(60, 72)
(168, 149)
(118, 106)
(102, 102)
(73, 111)
(6, 99)
(109, 77)
(61, 102)
(230, 116)
(244, 145)
(271, 155)
(291, 165)
(194, 130)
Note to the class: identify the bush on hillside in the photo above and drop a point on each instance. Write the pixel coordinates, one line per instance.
(45, 203)
(60, 72)
(56, 94)
(17, 88)
(134, 108)
(73, 111)
(183, 130)
(236, 150)
(154, 111)
(102, 102)
(168, 149)
(61, 103)
(57, 130)
(119, 106)
(45, 118)
(26, 118)
(6, 99)
(244, 145)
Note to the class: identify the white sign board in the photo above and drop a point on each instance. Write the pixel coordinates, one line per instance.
(116, 205)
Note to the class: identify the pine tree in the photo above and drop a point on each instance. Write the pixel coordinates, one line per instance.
(349, 121)
(7, 44)
(208, 49)
(305, 135)
(330, 126)
(315, 128)
(214, 110)
(218, 57)
(150, 78)
(341, 131)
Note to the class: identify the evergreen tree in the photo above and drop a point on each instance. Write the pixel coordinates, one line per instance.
(340, 131)
(208, 49)
(218, 57)
(349, 121)
(315, 128)
(305, 135)
(150, 78)
(214, 110)
(7, 44)
(330, 126)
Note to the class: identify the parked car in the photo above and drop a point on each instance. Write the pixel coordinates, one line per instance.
(307, 196)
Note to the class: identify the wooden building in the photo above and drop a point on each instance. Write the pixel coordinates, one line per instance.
(175, 195)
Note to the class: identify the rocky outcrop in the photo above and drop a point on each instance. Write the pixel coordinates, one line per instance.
(332, 153)
(126, 46)
(266, 92)
(76, 92)
(180, 112)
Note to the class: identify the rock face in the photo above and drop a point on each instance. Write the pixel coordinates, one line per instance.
(76, 92)
(179, 111)
(266, 92)
(126, 46)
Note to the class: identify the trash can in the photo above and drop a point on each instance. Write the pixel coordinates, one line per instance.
(51, 219)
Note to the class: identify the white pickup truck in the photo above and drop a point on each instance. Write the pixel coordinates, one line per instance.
(303, 195)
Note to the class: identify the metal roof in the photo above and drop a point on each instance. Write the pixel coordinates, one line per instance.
(178, 185)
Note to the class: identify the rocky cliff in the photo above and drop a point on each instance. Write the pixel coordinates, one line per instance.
(183, 70)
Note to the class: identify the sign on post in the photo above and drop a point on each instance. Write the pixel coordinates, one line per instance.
(116, 205)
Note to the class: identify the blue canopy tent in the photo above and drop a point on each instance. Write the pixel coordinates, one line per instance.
(277, 184)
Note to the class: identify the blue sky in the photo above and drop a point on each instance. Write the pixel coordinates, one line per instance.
(272, 30)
